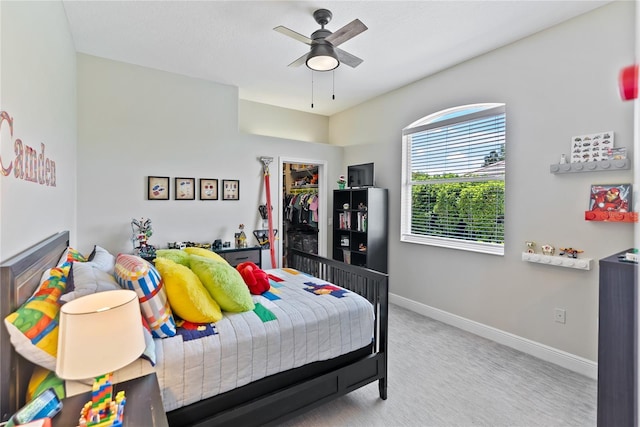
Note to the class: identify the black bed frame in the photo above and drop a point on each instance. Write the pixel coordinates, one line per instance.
(264, 402)
(283, 396)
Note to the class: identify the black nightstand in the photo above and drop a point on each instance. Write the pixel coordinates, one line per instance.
(144, 404)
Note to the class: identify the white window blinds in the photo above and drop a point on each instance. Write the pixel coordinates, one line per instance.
(454, 168)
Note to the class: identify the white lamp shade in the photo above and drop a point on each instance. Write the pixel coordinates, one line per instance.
(98, 334)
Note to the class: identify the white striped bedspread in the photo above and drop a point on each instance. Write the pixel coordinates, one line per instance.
(300, 320)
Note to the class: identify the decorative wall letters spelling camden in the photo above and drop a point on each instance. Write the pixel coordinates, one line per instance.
(28, 164)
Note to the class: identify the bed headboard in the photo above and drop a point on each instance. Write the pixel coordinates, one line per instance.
(19, 277)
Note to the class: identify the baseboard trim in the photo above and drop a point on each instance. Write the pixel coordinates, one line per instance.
(570, 361)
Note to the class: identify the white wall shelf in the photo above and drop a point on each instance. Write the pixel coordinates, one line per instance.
(558, 261)
(603, 165)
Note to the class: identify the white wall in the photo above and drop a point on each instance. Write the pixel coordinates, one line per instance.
(135, 122)
(268, 120)
(38, 89)
(556, 84)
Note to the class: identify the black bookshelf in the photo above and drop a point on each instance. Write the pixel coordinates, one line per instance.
(360, 227)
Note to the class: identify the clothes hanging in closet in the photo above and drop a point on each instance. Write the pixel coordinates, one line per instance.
(301, 208)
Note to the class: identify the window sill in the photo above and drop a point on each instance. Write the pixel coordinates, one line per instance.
(485, 248)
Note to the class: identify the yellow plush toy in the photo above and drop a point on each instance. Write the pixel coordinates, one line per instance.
(188, 297)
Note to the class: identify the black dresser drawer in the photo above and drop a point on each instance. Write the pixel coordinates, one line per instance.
(237, 256)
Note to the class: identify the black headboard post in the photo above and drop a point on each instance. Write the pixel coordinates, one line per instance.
(19, 277)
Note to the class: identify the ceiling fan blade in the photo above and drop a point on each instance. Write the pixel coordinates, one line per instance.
(347, 32)
(347, 58)
(287, 32)
(298, 62)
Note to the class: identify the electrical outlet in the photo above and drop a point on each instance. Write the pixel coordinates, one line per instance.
(560, 315)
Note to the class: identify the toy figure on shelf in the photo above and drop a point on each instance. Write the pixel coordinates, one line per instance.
(241, 238)
(531, 247)
(342, 182)
(142, 230)
(547, 249)
(570, 252)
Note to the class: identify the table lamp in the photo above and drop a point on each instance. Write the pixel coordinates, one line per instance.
(99, 334)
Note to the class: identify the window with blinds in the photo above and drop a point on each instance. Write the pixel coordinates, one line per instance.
(453, 179)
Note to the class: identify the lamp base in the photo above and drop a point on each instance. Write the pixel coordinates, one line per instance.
(102, 410)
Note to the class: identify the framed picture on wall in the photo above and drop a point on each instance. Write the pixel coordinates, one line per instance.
(158, 188)
(610, 198)
(185, 189)
(230, 189)
(208, 189)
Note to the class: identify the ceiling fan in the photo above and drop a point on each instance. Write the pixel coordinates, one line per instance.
(324, 54)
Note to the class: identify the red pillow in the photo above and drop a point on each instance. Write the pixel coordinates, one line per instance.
(254, 277)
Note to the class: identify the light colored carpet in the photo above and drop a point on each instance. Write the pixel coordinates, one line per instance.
(442, 376)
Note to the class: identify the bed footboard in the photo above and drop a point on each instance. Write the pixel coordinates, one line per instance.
(371, 284)
(271, 400)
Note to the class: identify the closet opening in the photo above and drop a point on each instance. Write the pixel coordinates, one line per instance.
(303, 214)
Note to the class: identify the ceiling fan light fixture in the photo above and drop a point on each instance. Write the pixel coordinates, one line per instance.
(322, 57)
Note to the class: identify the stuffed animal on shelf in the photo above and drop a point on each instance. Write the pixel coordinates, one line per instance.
(254, 277)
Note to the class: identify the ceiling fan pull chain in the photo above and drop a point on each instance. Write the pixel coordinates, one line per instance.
(333, 95)
(311, 88)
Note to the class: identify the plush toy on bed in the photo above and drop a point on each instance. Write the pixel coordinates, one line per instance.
(255, 278)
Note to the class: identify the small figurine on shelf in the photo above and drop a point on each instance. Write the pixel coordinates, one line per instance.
(547, 249)
(531, 247)
(570, 252)
(241, 238)
(141, 231)
(342, 182)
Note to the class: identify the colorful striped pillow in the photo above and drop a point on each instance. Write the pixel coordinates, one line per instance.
(33, 327)
(133, 272)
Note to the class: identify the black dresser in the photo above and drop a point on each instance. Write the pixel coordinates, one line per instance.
(235, 256)
(617, 343)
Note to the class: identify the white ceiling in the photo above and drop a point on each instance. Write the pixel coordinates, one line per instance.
(233, 42)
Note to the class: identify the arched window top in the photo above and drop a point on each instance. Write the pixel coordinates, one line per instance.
(440, 118)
